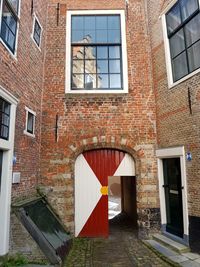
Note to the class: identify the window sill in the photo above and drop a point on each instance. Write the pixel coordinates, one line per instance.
(171, 85)
(97, 92)
(14, 56)
(29, 134)
(38, 47)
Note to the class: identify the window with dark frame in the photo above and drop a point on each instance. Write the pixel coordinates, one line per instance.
(30, 122)
(4, 119)
(183, 24)
(37, 32)
(96, 52)
(9, 20)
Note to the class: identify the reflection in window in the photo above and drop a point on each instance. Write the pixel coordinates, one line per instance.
(9, 20)
(183, 23)
(37, 32)
(96, 52)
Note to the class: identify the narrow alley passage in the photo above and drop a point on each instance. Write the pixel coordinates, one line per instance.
(121, 249)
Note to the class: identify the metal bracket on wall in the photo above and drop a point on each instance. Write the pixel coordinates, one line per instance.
(56, 129)
(189, 101)
(58, 13)
(32, 7)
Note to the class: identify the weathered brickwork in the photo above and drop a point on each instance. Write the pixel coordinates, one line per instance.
(176, 124)
(22, 76)
(122, 121)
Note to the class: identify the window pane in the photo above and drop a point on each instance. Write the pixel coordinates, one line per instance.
(101, 22)
(114, 36)
(9, 19)
(101, 36)
(102, 66)
(30, 122)
(5, 119)
(90, 52)
(194, 56)
(114, 22)
(192, 30)
(77, 36)
(179, 66)
(78, 66)
(90, 36)
(173, 18)
(77, 81)
(90, 66)
(90, 23)
(114, 52)
(15, 4)
(115, 81)
(102, 52)
(103, 81)
(37, 33)
(188, 7)
(177, 43)
(114, 66)
(77, 23)
(90, 81)
(4, 132)
(78, 52)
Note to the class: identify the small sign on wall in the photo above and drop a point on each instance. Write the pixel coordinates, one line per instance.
(189, 156)
(16, 177)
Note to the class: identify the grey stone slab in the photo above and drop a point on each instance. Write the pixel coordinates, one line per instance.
(162, 249)
(171, 243)
(198, 260)
(191, 256)
(190, 264)
(178, 258)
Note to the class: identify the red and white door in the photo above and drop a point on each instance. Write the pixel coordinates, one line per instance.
(92, 169)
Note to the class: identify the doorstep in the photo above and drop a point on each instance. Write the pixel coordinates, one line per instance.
(173, 251)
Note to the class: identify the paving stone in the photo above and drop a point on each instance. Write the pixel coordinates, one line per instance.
(198, 260)
(190, 264)
(121, 249)
(178, 258)
(191, 256)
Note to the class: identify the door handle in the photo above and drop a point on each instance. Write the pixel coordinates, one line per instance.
(165, 185)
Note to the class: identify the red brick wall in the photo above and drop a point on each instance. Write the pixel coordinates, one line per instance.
(124, 121)
(175, 125)
(23, 77)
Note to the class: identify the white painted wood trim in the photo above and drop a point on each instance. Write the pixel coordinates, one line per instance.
(68, 52)
(178, 152)
(6, 181)
(14, 55)
(35, 18)
(168, 61)
(28, 110)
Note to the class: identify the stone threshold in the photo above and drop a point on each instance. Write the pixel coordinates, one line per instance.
(174, 253)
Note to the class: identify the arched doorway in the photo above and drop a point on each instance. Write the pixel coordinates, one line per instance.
(92, 169)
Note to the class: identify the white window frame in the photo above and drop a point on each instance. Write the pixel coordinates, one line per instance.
(28, 110)
(35, 18)
(14, 55)
(123, 45)
(6, 182)
(168, 61)
(175, 152)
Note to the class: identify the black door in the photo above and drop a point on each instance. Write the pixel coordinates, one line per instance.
(173, 196)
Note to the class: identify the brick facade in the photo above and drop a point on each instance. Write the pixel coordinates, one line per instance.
(150, 116)
(122, 121)
(22, 76)
(177, 125)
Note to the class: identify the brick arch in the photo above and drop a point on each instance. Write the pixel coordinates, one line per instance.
(96, 143)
